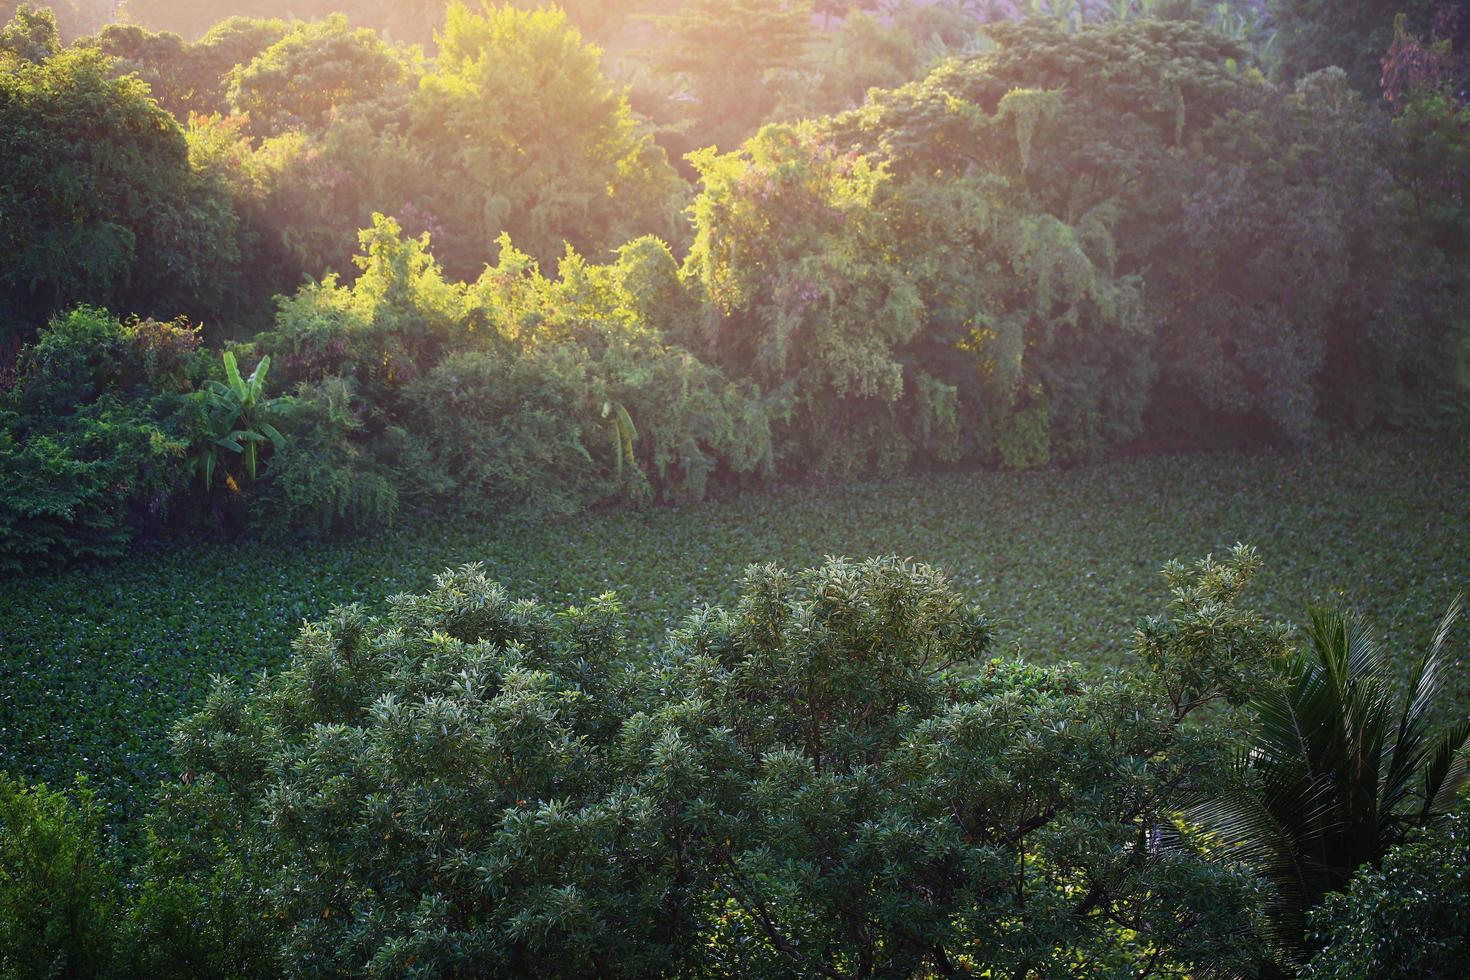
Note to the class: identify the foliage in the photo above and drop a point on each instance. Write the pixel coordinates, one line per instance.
(239, 419)
(1316, 34)
(810, 306)
(866, 52)
(322, 480)
(29, 34)
(412, 21)
(1340, 769)
(72, 18)
(494, 398)
(1404, 917)
(523, 134)
(315, 70)
(724, 54)
(57, 887)
(187, 77)
(769, 800)
(509, 434)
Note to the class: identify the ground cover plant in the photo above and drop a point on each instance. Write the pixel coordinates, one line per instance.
(97, 662)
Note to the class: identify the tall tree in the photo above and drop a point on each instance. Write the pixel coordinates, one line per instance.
(521, 132)
(98, 201)
(723, 53)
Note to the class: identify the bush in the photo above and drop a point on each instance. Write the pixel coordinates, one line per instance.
(322, 480)
(58, 894)
(826, 776)
(94, 436)
(508, 434)
(1405, 918)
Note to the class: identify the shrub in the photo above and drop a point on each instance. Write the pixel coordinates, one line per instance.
(93, 436)
(1403, 918)
(322, 479)
(508, 434)
(825, 778)
(58, 893)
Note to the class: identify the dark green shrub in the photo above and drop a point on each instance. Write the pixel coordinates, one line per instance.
(1403, 918)
(58, 892)
(81, 491)
(508, 434)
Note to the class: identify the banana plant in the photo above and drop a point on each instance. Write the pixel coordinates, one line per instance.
(620, 423)
(239, 419)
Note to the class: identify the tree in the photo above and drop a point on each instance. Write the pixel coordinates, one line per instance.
(1405, 918)
(315, 70)
(724, 52)
(407, 21)
(1340, 769)
(520, 133)
(1349, 34)
(98, 201)
(794, 256)
(58, 890)
(187, 77)
(74, 18)
(825, 780)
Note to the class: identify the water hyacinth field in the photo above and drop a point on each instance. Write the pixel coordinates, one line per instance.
(98, 663)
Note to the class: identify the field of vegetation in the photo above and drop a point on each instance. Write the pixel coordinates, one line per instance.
(99, 663)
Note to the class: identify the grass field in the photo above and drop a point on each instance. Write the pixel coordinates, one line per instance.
(97, 663)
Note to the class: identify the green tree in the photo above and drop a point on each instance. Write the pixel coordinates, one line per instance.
(187, 77)
(98, 201)
(521, 133)
(73, 18)
(93, 436)
(312, 72)
(724, 53)
(1341, 768)
(58, 890)
(825, 780)
(795, 258)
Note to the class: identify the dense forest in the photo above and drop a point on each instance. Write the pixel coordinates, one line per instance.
(292, 274)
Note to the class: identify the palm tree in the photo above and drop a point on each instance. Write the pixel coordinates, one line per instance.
(1340, 769)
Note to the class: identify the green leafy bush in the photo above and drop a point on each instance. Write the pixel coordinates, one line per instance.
(93, 436)
(508, 434)
(1404, 917)
(323, 480)
(58, 890)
